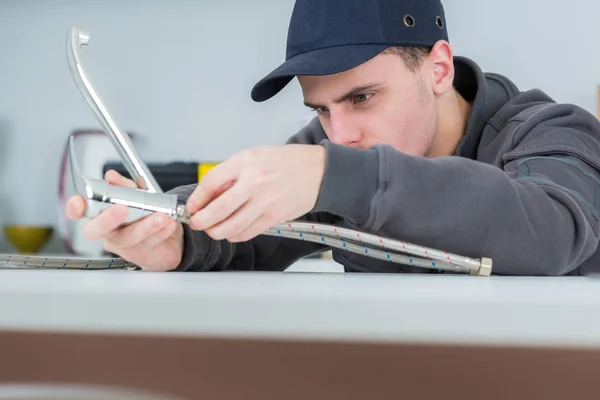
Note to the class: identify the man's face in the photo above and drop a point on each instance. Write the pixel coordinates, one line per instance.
(378, 102)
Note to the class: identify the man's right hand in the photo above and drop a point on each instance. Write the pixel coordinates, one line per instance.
(153, 243)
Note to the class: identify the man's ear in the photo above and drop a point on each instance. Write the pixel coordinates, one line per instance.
(442, 64)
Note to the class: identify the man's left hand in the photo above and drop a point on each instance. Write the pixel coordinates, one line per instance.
(256, 189)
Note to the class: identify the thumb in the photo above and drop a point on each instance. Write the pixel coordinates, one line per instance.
(75, 207)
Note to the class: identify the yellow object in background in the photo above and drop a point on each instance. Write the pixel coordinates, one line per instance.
(203, 168)
(28, 239)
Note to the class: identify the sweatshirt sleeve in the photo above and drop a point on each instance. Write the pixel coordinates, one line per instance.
(538, 215)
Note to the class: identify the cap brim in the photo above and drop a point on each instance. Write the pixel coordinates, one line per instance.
(325, 61)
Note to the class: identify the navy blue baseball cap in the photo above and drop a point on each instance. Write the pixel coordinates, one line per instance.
(331, 36)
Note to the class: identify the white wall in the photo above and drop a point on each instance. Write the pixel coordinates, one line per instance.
(550, 44)
(179, 73)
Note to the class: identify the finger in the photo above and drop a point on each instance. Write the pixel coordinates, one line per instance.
(143, 247)
(75, 207)
(221, 208)
(159, 237)
(139, 231)
(256, 228)
(200, 197)
(114, 178)
(106, 222)
(238, 222)
(151, 254)
(213, 184)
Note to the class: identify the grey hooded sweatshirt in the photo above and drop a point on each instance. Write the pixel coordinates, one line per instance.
(523, 188)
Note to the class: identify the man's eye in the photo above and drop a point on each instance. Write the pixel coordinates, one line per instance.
(321, 110)
(361, 98)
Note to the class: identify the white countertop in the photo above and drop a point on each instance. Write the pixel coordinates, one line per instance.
(371, 307)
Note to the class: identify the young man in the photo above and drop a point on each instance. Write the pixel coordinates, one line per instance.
(409, 142)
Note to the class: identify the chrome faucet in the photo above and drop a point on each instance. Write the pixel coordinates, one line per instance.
(99, 194)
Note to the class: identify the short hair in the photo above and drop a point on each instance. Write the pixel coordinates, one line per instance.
(412, 56)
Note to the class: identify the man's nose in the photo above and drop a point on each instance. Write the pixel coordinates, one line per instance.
(344, 130)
